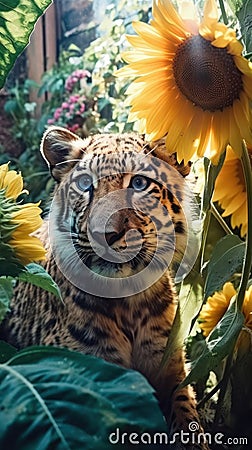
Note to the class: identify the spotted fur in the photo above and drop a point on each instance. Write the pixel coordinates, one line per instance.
(131, 331)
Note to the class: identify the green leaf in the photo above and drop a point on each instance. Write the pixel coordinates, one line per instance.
(56, 398)
(227, 258)
(11, 106)
(219, 344)
(6, 351)
(244, 14)
(17, 20)
(102, 103)
(235, 5)
(9, 264)
(6, 293)
(37, 275)
(222, 246)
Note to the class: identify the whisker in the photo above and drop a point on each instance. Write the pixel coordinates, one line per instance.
(151, 150)
(67, 161)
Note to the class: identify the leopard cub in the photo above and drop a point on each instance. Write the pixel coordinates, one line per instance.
(115, 220)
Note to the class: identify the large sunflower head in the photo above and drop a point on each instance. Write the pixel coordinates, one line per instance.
(191, 82)
(230, 191)
(17, 220)
(217, 305)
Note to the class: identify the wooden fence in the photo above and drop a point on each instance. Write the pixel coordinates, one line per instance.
(42, 50)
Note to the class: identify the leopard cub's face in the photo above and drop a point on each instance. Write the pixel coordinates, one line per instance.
(117, 210)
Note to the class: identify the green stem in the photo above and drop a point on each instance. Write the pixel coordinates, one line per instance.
(246, 166)
(204, 236)
(209, 395)
(222, 222)
(223, 12)
(224, 385)
(246, 270)
(206, 209)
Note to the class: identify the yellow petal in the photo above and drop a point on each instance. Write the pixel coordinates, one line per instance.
(242, 120)
(13, 183)
(28, 249)
(3, 172)
(243, 65)
(234, 204)
(235, 47)
(210, 10)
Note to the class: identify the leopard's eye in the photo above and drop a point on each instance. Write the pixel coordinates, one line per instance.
(85, 182)
(139, 183)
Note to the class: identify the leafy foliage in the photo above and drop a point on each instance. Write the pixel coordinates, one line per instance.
(219, 344)
(244, 15)
(6, 292)
(38, 276)
(67, 400)
(58, 392)
(17, 20)
(227, 259)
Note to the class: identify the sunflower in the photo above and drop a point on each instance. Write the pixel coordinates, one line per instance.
(17, 220)
(230, 191)
(217, 305)
(191, 83)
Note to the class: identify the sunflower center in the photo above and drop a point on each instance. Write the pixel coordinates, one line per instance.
(206, 75)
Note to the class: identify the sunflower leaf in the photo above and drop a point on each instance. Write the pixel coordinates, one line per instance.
(7, 351)
(219, 344)
(56, 398)
(6, 292)
(17, 20)
(9, 264)
(243, 10)
(224, 263)
(38, 276)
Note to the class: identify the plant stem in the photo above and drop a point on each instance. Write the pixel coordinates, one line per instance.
(204, 236)
(222, 222)
(246, 166)
(210, 394)
(246, 270)
(224, 385)
(223, 12)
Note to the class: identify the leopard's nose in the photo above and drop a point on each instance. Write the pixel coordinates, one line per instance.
(113, 237)
(107, 238)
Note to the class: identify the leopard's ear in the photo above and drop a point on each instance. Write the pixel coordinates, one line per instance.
(161, 152)
(61, 149)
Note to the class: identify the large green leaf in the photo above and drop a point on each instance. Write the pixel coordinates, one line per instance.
(9, 264)
(37, 275)
(7, 351)
(17, 20)
(58, 399)
(243, 11)
(226, 260)
(219, 344)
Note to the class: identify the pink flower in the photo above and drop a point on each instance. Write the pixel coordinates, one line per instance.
(64, 105)
(73, 98)
(82, 108)
(73, 128)
(75, 77)
(57, 113)
(50, 121)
